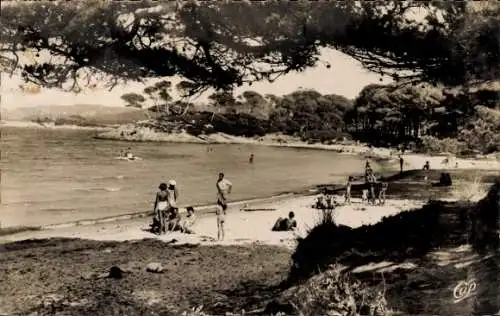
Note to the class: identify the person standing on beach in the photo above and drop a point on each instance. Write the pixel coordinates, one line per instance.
(172, 194)
(348, 190)
(250, 160)
(368, 170)
(401, 163)
(160, 208)
(223, 190)
(371, 184)
(173, 212)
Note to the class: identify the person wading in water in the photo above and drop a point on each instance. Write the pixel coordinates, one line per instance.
(223, 190)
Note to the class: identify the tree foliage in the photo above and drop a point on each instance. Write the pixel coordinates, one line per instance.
(133, 99)
(227, 43)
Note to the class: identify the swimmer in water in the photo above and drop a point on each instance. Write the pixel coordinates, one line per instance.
(129, 154)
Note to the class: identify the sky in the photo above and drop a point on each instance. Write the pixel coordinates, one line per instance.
(345, 77)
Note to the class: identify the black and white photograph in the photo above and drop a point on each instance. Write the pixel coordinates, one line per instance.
(233, 158)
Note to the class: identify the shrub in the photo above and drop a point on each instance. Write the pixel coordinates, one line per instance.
(469, 191)
(323, 136)
(433, 145)
(335, 293)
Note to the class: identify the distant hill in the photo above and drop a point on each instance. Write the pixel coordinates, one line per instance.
(98, 114)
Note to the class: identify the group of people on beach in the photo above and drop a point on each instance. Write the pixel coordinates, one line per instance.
(167, 217)
(372, 191)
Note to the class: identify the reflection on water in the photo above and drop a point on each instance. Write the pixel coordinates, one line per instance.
(44, 170)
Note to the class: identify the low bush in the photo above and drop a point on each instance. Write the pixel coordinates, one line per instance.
(324, 135)
(433, 145)
(333, 292)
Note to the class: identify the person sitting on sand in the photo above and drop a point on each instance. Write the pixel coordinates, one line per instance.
(348, 186)
(330, 203)
(285, 224)
(173, 219)
(223, 190)
(427, 165)
(188, 222)
(320, 202)
(160, 209)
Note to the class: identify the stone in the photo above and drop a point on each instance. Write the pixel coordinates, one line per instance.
(155, 267)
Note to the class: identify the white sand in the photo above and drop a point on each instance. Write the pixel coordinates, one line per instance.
(241, 227)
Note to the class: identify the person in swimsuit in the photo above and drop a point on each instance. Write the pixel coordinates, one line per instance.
(161, 207)
(348, 190)
(371, 180)
(172, 196)
(285, 224)
(382, 193)
(188, 222)
(223, 190)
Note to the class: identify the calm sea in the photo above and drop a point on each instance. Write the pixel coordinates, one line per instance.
(59, 176)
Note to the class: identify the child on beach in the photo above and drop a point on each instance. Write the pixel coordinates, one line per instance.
(382, 193)
(188, 222)
(223, 190)
(174, 219)
(348, 190)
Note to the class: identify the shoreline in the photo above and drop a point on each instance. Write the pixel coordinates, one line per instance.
(52, 126)
(243, 227)
(131, 133)
(381, 154)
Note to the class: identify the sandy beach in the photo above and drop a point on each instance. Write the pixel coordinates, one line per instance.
(242, 227)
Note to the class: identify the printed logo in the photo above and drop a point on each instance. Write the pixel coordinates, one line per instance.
(464, 289)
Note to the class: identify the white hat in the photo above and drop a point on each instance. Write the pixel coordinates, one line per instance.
(172, 182)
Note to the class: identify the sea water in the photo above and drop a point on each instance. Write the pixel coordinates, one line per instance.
(59, 176)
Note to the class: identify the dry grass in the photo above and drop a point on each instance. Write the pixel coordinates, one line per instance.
(334, 292)
(470, 191)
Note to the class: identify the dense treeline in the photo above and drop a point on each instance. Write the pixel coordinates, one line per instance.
(422, 117)
(427, 117)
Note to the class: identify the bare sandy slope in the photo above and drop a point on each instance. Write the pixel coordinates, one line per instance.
(242, 227)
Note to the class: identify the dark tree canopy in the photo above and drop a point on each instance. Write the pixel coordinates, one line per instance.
(227, 43)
